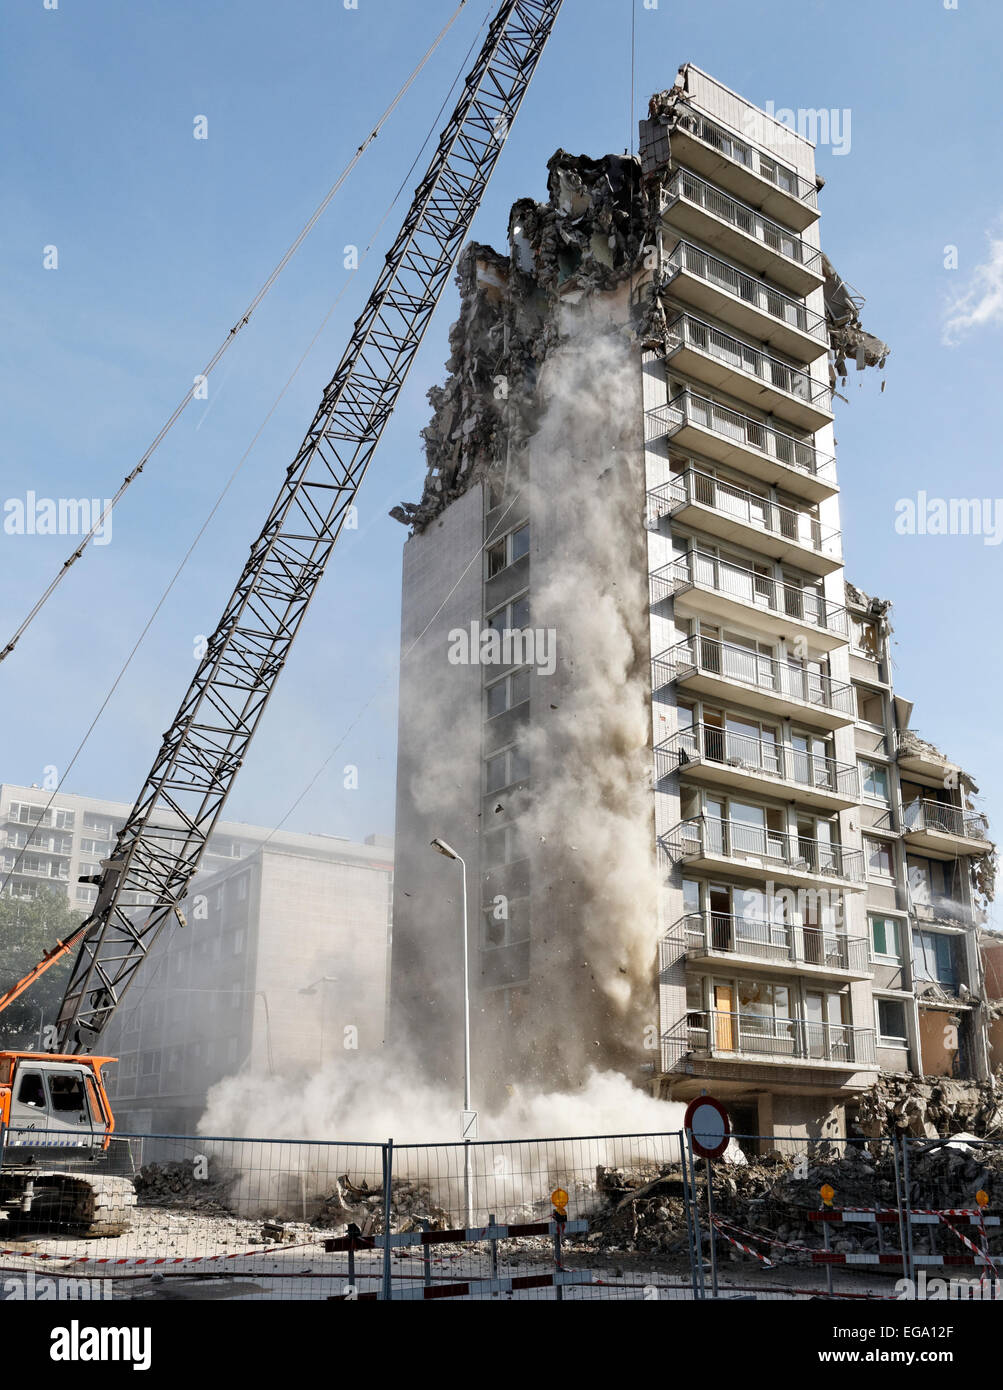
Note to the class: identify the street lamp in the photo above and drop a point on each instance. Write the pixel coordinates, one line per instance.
(311, 988)
(447, 851)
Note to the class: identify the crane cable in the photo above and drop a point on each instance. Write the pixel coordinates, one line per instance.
(38, 824)
(228, 340)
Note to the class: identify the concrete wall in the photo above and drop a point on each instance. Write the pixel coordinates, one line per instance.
(438, 786)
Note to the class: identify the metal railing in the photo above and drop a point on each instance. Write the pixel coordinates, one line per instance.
(924, 814)
(804, 944)
(744, 840)
(800, 603)
(769, 300)
(790, 680)
(687, 408)
(745, 219)
(685, 330)
(754, 1035)
(756, 754)
(797, 527)
(54, 873)
(782, 177)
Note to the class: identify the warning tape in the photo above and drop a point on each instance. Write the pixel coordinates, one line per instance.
(746, 1249)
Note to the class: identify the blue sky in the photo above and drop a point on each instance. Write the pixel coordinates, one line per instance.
(162, 240)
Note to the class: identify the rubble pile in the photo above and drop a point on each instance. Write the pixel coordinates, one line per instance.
(772, 1196)
(411, 1204)
(931, 1107)
(175, 1184)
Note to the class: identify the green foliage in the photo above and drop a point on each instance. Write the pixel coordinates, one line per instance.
(29, 927)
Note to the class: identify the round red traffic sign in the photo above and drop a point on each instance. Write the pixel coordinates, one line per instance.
(709, 1126)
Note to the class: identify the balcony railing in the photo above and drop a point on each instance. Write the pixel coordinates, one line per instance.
(743, 840)
(693, 485)
(789, 680)
(771, 941)
(690, 409)
(753, 754)
(722, 140)
(801, 603)
(780, 239)
(774, 302)
(952, 820)
(56, 872)
(754, 1035)
(685, 330)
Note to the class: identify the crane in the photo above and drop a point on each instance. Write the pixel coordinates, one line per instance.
(157, 852)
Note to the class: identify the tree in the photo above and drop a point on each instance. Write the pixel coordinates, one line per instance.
(28, 928)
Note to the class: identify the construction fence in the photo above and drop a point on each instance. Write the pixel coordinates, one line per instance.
(608, 1217)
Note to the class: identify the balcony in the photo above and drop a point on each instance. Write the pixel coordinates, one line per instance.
(712, 150)
(764, 312)
(744, 596)
(732, 513)
(709, 937)
(28, 868)
(719, 360)
(724, 758)
(707, 842)
(740, 231)
(788, 689)
(751, 1037)
(752, 446)
(922, 759)
(936, 828)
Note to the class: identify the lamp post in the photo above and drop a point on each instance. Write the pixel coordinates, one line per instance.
(469, 1119)
(311, 988)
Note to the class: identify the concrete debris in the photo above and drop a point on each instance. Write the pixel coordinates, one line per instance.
(595, 233)
(176, 1185)
(774, 1193)
(285, 1232)
(878, 608)
(848, 339)
(931, 1107)
(412, 1207)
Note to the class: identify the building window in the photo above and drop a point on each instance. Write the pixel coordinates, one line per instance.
(891, 1022)
(499, 847)
(98, 847)
(933, 958)
(865, 637)
(242, 888)
(506, 551)
(874, 780)
(513, 616)
(508, 692)
(870, 706)
(880, 858)
(238, 942)
(885, 943)
(504, 769)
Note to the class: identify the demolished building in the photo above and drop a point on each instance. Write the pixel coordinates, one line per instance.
(704, 846)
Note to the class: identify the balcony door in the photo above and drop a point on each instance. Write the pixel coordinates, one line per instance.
(724, 1031)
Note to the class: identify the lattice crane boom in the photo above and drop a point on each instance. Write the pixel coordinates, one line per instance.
(161, 844)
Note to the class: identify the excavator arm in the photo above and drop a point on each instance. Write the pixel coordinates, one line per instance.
(161, 844)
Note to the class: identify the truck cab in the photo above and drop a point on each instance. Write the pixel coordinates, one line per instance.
(52, 1101)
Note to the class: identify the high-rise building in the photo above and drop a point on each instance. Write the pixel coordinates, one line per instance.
(638, 696)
